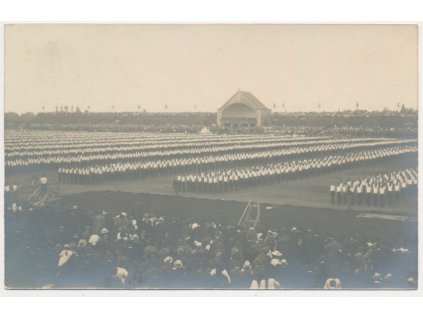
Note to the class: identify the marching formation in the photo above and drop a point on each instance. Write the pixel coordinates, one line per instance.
(379, 190)
(218, 181)
(138, 169)
(97, 152)
(46, 149)
(210, 163)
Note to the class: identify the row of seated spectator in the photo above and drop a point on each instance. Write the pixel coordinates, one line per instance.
(69, 246)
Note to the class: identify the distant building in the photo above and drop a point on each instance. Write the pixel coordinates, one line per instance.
(243, 110)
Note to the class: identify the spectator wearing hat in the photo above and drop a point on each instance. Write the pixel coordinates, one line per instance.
(332, 283)
(43, 185)
(332, 193)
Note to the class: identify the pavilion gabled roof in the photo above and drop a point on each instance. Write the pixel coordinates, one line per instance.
(247, 98)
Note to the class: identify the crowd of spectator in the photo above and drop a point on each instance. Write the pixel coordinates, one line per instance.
(352, 124)
(84, 247)
(114, 121)
(398, 124)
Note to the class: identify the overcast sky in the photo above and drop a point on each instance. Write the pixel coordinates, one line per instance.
(182, 65)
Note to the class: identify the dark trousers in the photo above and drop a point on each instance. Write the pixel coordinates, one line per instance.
(43, 190)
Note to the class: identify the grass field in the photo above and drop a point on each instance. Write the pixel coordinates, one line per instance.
(309, 192)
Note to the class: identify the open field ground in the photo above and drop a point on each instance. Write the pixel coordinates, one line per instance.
(309, 192)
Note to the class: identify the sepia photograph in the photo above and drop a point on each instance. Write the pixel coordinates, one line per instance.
(211, 156)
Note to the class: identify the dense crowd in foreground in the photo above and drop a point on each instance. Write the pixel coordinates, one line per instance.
(77, 247)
